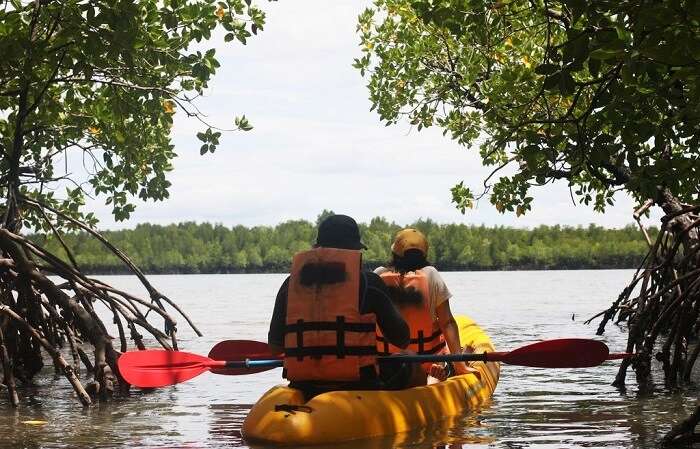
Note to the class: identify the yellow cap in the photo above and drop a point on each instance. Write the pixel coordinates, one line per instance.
(409, 239)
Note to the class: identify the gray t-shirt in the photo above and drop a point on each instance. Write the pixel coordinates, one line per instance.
(439, 292)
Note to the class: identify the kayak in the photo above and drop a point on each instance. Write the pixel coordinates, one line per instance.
(283, 417)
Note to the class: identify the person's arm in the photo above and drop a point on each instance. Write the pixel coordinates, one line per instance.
(446, 320)
(275, 337)
(449, 328)
(389, 319)
(441, 296)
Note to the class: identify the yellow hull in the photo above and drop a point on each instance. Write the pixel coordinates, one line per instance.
(349, 415)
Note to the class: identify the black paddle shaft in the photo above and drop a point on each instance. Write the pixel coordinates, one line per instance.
(412, 358)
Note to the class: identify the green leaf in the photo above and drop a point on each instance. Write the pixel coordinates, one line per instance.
(576, 49)
(604, 54)
(462, 197)
(594, 66)
(577, 7)
(552, 82)
(667, 54)
(567, 85)
(546, 69)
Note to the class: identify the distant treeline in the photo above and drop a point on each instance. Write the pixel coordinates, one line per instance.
(206, 248)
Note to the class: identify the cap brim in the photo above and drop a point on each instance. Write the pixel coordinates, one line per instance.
(358, 245)
(346, 245)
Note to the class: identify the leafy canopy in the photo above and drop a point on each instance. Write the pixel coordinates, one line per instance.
(602, 94)
(100, 81)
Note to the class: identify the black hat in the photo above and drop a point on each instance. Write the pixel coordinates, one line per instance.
(339, 231)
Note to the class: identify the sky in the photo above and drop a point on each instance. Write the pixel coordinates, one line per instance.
(316, 145)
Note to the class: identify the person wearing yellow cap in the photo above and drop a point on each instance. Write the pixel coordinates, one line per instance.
(422, 296)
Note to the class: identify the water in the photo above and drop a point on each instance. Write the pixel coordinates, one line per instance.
(531, 407)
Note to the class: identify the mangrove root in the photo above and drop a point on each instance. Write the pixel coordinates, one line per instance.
(39, 316)
(661, 305)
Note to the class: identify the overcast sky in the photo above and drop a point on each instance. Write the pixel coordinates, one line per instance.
(316, 145)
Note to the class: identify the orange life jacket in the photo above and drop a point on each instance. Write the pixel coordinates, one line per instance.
(326, 336)
(414, 305)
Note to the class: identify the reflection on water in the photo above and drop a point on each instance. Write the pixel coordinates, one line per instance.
(531, 407)
(225, 422)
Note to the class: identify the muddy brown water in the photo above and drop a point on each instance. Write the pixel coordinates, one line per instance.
(531, 407)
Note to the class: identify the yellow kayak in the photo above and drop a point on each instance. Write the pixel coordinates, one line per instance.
(282, 417)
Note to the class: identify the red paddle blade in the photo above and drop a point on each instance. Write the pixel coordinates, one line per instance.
(157, 368)
(240, 350)
(561, 353)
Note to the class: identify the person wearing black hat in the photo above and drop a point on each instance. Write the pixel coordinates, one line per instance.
(326, 313)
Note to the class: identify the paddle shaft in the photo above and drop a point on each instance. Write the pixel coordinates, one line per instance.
(411, 358)
(483, 357)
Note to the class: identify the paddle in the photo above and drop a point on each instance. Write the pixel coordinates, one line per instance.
(158, 368)
(240, 351)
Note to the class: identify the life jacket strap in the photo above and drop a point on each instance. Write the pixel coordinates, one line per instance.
(421, 348)
(305, 326)
(340, 336)
(433, 336)
(300, 336)
(437, 348)
(317, 351)
(433, 350)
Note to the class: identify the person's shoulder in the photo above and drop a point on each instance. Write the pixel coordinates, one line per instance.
(430, 270)
(285, 285)
(375, 292)
(373, 277)
(375, 284)
(432, 274)
(381, 270)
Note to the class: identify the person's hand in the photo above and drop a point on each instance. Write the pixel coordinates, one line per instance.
(463, 368)
(438, 371)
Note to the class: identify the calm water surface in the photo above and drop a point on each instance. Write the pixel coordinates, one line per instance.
(531, 407)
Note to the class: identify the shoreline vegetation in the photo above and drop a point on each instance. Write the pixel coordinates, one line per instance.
(198, 248)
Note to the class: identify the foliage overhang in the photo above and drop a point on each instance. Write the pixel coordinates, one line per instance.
(100, 82)
(603, 95)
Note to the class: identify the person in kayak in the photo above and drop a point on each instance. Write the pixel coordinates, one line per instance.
(422, 296)
(326, 314)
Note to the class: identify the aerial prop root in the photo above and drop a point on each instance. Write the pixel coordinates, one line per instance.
(46, 315)
(666, 309)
